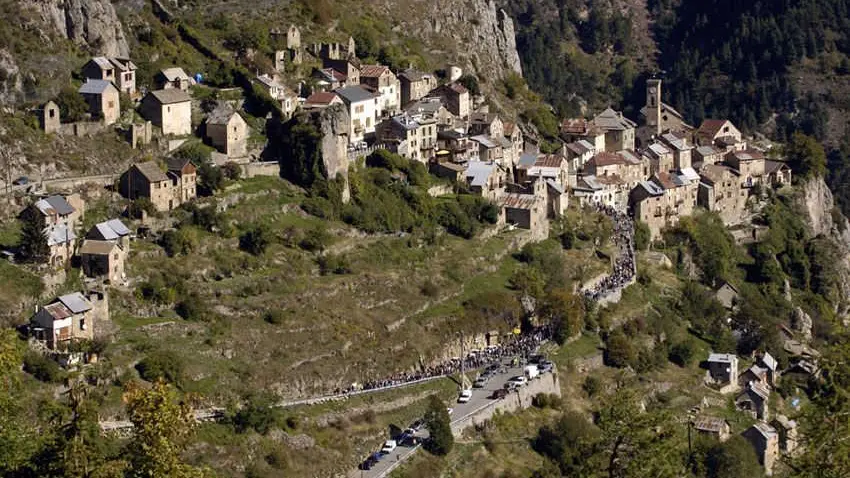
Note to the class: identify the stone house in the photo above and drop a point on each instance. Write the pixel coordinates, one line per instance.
(720, 191)
(662, 200)
(619, 131)
(749, 163)
(714, 427)
(415, 84)
(456, 98)
(59, 210)
(382, 80)
(488, 124)
(321, 100)
(787, 430)
(166, 191)
(713, 130)
(577, 129)
(49, 118)
(727, 295)
(173, 78)
(120, 71)
(513, 133)
(658, 117)
(350, 67)
(660, 158)
(103, 259)
(457, 144)
(485, 179)
(722, 368)
(765, 441)
(228, 132)
(279, 92)
(171, 110)
(578, 153)
(682, 150)
(590, 192)
(413, 137)
(754, 400)
(557, 199)
(293, 52)
(103, 100)
(764, 371)
(703, 155)
(489, 148)
(534, 167)
(184, 179)
(776, 173)
(68, 318)
(432, 108)
(624, 165)
(328, 79)
(363, 109)
(526, 211)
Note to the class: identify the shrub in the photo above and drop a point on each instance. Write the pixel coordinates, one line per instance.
(333, 264)
(72, 105)
(618, 350)
(163, 365)
(210, 178)
(137, 206)
(258, 415)
(683, 353)
(591, 386)
(439, 425)
(430, 289)
(43, 368)
(255, 240)
(192, 307)
(316, 239)
(231, 171)
(274, 316)
(319, 207)
(642, 236)
(546, 400)
(180, 241)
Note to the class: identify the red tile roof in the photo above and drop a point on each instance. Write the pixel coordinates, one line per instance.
(574, 126)
(321, 98)
(607, 159)
(549, 160)
(710, 127)
(373, 71)
(665, 180)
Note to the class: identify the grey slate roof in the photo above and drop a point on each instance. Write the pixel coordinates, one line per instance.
(110, 230)
(722, 358)
(151, 172)
(59, 234)
(652, 188)
(221, 115)
(478, 172)
(174, 73)
(56, 204)
(75, 302)
(170, 96)
(355, 94)
(95, 87)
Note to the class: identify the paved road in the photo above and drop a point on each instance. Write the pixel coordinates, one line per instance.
(480, 398)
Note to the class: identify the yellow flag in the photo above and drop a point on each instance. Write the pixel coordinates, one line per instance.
(517, 331)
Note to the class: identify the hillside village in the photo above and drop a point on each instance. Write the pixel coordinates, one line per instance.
(647, 172)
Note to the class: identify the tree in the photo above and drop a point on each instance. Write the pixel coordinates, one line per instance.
(180, 241)
(439, 426)
(470, 82)
(806, 156)
(161, 365)
(33, 238)
(210, 178)
(528, 280)
(72, 105)
(565, 311)
(232, 171)
(162, 426)
(568, 442)
(642, 236)
(18, 437)
(619, 351)
(734, 458)
(255, 240)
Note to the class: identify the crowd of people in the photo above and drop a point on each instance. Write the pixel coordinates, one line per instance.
(624, 265)
(521, 346)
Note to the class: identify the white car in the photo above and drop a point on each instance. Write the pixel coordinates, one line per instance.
(519, 380)
(465, 396)
(389, 446)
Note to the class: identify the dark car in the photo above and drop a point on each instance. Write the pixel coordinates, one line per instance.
(368, 463)
(499, 394)
(21, 181)
(418, 424)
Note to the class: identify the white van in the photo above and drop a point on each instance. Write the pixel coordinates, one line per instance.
(465, 396)
(389, 446)
(531, 371)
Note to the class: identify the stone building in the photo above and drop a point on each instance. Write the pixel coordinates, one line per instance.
(413, 137)
(415, 84)
(714, 427)
(103, 100)
(362, 108)
(105, 250)
(228, 132)
(485, 179)
(49, 118)
(173, 78)
(663, 200)
(165, 191)
(658, 117)
(765, 441)
(720, 191)
(383, 81)
(170, 109)
(350, 67)
(67, 319)
(455, 97)
(712, 131)
(681, 148)
(120, 71)
(619, 131)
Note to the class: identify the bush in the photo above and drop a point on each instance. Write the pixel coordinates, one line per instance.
(430, 289)
(333, 264)
(192, 307)
(231, 171)
(137, 206)
(642, 236)
(591, 386)
(43, 368)
(258, 415)
(546, 400)
(210, 178)
(683, 353)
(255, 240)
(274, 316)
(72, 105)
(618, 350)
(439, 425)
(180, 241)
(319, 207)
(163, 365)
(317, 239)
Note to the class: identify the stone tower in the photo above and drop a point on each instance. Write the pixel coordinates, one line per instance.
(50, 118)
(653, 106)
(293, 38)
(352, 48)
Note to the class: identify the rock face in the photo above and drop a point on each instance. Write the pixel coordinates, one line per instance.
(92, 23)
(333, 122)
(479, 35)
(802, 322)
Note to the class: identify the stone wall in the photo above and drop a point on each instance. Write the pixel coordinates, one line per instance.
(266, 168)
(516, 400)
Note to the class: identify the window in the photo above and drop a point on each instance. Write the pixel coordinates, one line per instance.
(168, 109)
(82, 324)
(52, 113)
(115, 257)
(110, 104)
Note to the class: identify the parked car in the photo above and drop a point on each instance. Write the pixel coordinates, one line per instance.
(418, 424)
(499, 394)
(480, 381)
(531, 371)
(465, 396)
(368, 463)
(546, 366)
(389, 446)
(519, 380)
(21, 181)
(536, 358)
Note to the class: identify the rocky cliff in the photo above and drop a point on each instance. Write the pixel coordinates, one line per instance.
(93, 24)
(474, 34)
(332, 123)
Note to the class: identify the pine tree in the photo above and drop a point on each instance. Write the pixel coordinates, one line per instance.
(33, 239)
(439, 426)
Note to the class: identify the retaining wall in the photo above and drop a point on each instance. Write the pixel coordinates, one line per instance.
(267, 168)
